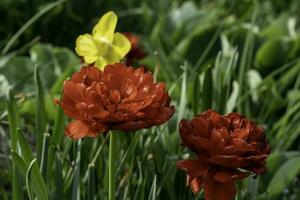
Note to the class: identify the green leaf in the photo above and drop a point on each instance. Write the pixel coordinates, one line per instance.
(59, 181)
(25, 149)
(129, 152)
(141, 184)
(76, 178)
(278, 28)
(59, 126)
(183, 94)
(4, 85)
(91, 182)
(29, 105)
(152, 195)
(34, 179)
(38, 183)
(58, 85)
(207, 90)
(28, 180)
(44, 158)
(254, 81)
(13, 118)
(231, 102)
(18, 174)
(284, 176)
(41, 115)
(19, 162)
(245, 64)
(272, 53)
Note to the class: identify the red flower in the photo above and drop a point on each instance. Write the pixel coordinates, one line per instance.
(136, 52)
(119, 98)
(228, 148)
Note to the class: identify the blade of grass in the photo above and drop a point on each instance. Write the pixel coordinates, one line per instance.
(19, 162)
(76, 179)
(211, 43)
(183, 97)
(91, 182)
(14, 123)
(59, 181)
(38, 184)
(128, 152)
(152, 195)
(58, 85)
(245, 63)
(139, 190)
(40, 112)
(283, 176)
(59, 126)
(207, 89)
(112, 165)
(39, 187)
(26, 152)
(99, 150)
(28, 180)
(44, 158)
(13, 119)
(231, 103)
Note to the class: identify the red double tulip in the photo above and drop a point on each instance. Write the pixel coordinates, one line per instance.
(228, 148)
(118, 98)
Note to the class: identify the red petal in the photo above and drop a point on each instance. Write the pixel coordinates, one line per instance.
(128, 126)
(74, 91)
(231, 161)
(196, 184)
(200, 126)
(227, 176)
(194, 168)
(76, 130)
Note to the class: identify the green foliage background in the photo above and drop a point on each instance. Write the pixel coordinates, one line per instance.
(229, 55)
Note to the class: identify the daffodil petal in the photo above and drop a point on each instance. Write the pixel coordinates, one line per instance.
(85, 46)
(113, 57)
(102, 44)
(106, 26)
(101, 63)
(121, 45)
(90, 59)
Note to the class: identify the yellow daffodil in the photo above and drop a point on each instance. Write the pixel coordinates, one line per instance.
(103, 46)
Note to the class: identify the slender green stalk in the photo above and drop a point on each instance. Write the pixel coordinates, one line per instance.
(59, 181)
(28, 180)
(14, 123)
(76, 180)
(91, 182)
(44, 159)
(41, 115)
(112, 166)
(99, 150)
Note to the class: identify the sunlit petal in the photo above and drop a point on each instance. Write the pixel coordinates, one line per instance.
(106, 26)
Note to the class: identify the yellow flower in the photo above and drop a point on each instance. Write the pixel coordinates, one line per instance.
(103, 46)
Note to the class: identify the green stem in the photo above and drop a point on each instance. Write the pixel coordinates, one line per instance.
(44, 158)
(112, 166)
(76, 179)
(91, 182)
